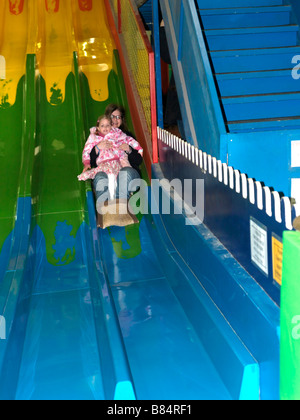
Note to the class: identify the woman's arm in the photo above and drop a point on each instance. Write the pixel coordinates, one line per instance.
(135, 158)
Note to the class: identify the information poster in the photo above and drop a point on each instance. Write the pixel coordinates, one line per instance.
(259, 245)
(277, 255)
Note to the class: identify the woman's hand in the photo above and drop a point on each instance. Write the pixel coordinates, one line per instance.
(86, 168)
(125, 147)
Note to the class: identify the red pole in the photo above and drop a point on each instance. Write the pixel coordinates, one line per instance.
(119, 17)
(153, 107)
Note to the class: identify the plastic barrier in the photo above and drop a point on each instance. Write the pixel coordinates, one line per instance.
(290, 319)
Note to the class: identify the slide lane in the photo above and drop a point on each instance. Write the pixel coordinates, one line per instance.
(13, 47)
(60, 355)
(16, 158)
(167, 359)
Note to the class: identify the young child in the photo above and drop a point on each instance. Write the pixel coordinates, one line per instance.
(111, 156)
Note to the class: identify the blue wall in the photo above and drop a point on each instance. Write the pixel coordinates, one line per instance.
(202, 117)
(263, 154)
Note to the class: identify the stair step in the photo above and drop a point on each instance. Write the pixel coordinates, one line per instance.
(246, 17)
(245, 108)
(245, 38)
(254, 59)
(219, 4)
(256, 83)
(270, 124)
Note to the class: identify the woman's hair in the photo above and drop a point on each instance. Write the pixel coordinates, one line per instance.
(110, 109)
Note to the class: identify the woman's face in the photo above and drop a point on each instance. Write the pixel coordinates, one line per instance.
(116, 119)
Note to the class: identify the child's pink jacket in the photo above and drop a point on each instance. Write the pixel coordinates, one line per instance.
(108, 161)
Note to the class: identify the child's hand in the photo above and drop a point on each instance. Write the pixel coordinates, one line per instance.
(104, 145)
(86, 168)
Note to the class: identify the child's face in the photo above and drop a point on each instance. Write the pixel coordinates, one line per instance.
(104, 126)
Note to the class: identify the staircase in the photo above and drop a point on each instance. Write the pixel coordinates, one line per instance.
(252, 45)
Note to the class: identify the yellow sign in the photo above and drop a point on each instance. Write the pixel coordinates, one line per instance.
(277, 254)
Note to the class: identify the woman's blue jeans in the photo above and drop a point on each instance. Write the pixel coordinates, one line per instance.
(125, 177)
